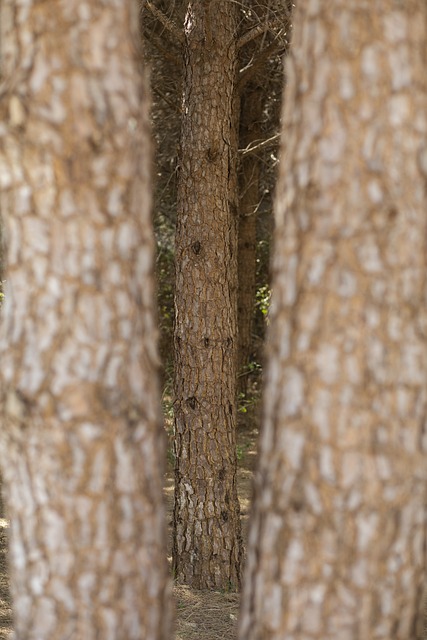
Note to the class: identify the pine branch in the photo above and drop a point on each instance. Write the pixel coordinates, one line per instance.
(251, 148)
(259, 30)
(175, 106)
(175, 33)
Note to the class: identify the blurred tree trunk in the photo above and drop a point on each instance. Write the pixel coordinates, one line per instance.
(2, 510)
(81, 440)
(207, 539)
(249, 189)
(338, 538)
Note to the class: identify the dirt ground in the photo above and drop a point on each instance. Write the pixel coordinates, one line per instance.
(199, 615)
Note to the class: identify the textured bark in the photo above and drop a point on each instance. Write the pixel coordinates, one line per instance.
(338, 536)
(81, 440)
(249, 188)
(207, 540)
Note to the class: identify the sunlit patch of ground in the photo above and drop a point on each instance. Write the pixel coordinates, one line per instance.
(205, 615)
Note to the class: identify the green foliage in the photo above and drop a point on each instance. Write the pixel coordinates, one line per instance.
(263, 292)
(248, 401)
(263, 296)
(241, 450)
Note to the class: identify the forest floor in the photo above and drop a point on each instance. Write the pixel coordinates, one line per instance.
(199, 615)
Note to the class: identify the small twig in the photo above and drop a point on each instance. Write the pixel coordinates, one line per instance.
(170, 26)
(257, 31)
(169, 102)
(251, 148)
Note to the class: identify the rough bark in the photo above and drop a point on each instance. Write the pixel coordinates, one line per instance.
(207, 540)
(338, 537)
(249, 189)
(81, 441)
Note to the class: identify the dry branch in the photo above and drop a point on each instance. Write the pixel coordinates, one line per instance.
(260, 145)
(259, 30)
(175, 33)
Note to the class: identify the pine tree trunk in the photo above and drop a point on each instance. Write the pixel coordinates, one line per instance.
(249, 175)
(338, 537)
(207, 539)
(81, 440)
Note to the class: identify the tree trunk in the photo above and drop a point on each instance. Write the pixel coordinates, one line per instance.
(338, 537)
(81, 440)
(207, 539)
(249, 175)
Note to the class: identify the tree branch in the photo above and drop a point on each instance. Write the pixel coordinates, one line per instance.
(167, 23)
(251, 148)
(257, 31)
(168, 101)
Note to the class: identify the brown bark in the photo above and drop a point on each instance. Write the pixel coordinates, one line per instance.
(81, 440)
(338, 537)
(207, 540)
(249, 190)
